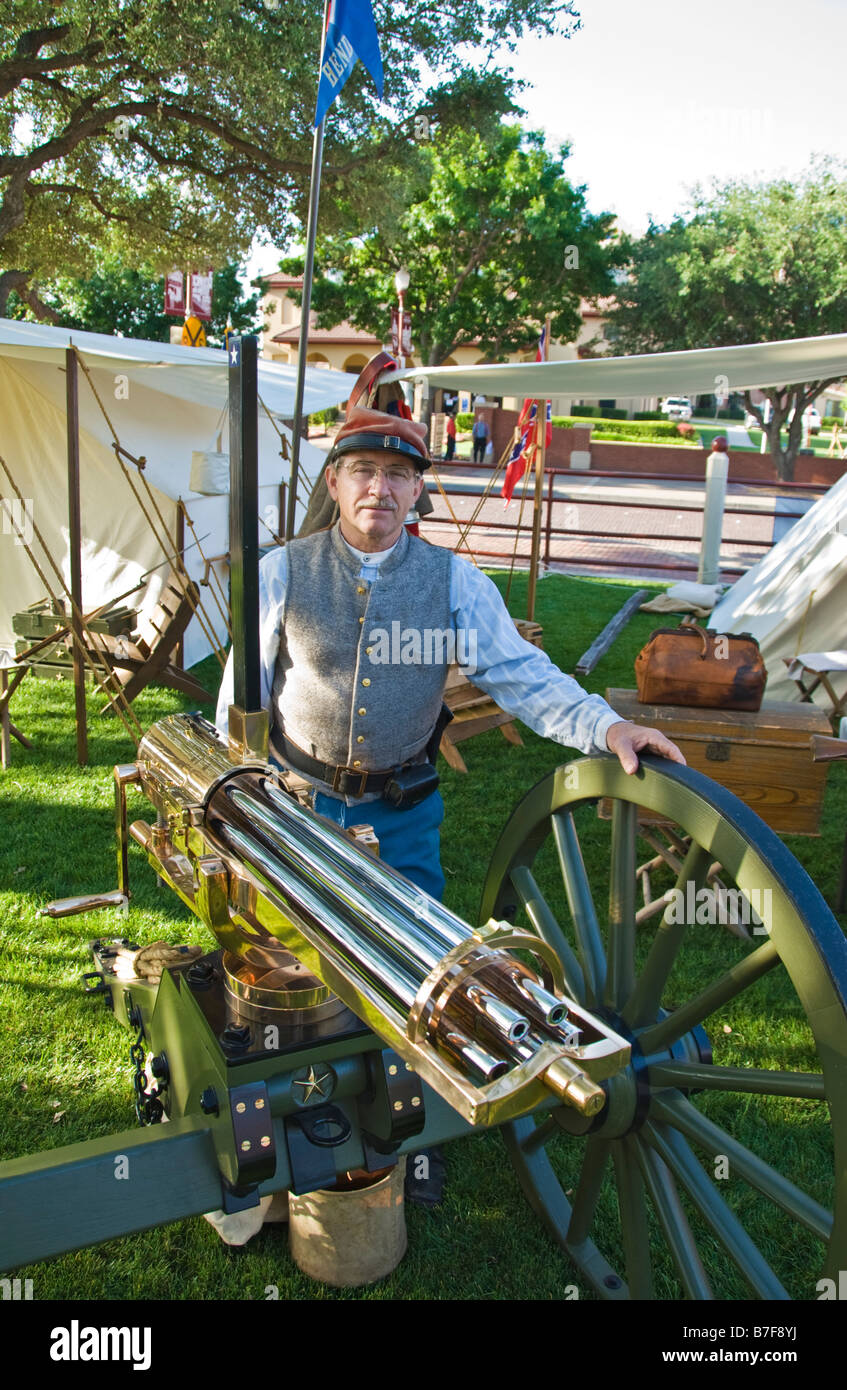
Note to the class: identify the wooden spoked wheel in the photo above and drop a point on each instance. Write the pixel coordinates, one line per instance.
(718, 1167)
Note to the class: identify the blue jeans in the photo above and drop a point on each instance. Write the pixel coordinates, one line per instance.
(408, 840)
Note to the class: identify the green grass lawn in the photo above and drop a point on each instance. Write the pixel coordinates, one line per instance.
(64, 1062)
(819, 443)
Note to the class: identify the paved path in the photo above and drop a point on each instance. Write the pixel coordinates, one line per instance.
(667, 544)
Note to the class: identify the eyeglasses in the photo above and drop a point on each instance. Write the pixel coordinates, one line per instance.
(396, 474)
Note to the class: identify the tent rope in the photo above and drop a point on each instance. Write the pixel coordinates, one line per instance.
(210, 571)
(455, 519)
(285, 455)
(179, 570)
(486, 493)
(530, 464)
(180, 573)
(117, 696)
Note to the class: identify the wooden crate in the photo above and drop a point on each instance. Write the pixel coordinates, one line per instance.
(764, 757)
(40, 619)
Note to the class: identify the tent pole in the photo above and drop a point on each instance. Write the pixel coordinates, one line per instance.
(305, 311)
(75, 542)
(540, 458)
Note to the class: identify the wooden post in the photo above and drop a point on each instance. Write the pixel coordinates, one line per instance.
(537, 499)
(75, 542)
(5, 742)
(244, 521)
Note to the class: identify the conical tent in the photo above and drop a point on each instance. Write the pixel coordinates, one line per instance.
(164, 403)
(795, 599)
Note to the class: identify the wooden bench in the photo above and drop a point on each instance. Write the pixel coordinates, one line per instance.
(135, 658)
(474, 712)
(812, 671)
(139, 660)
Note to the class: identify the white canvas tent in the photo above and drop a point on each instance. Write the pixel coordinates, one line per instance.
(165, 403)
(795, 599)
(648, 374)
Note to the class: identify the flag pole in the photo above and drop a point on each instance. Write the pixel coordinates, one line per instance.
(306, 304)
(540, 458)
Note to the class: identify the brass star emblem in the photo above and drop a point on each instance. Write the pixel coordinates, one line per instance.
(318, 1081)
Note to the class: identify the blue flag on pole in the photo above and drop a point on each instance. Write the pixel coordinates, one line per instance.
(350, 34)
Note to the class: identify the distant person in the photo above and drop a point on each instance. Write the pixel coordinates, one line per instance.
(479, 435)
(451, 438)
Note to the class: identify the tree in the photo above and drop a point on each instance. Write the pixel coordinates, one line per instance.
(751, 264)
(130, 303)
(494, 237)
(161, 132)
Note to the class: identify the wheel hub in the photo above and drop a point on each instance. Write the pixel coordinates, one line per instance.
(629, 1091)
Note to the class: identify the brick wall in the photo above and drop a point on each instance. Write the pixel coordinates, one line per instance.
(655, 458)
(502, 426)
(691, 463)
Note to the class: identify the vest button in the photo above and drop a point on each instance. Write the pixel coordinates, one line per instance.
(366, 681)
(361, 620)
(361, 738)
(361, 589)
(361, 710)
(357, 762)
(368, 651)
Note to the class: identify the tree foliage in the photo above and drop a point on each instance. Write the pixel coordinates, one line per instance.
(130, 303)
(494, 237)
(750, 264)
(157, 131)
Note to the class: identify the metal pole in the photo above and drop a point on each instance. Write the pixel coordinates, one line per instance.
(540, 458)
(549, 527)
(75, 540)
(308, 269)
(401, 361)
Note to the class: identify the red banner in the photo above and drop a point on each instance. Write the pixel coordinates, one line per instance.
(175, 293)
(200, 293)
(401, 344)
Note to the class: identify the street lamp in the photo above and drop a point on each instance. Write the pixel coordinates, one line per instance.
(401, 284)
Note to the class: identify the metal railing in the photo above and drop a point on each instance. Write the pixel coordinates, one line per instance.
(553, 532)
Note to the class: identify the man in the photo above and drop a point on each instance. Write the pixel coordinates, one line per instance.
(451, 438)
(358, 626)
(479, 436)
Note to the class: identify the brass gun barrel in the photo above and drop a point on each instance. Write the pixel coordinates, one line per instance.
(268, 871)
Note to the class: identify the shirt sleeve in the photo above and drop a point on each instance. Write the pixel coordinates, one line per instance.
(273, 581)
(520, 677)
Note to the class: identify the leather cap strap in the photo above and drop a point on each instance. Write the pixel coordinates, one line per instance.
(391, 443)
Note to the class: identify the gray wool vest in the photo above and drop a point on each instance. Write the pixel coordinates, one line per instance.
(361, 670)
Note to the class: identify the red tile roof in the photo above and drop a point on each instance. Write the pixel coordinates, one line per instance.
(278, 281)
(339, 333)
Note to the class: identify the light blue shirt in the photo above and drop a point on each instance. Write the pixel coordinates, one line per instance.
(520, 677)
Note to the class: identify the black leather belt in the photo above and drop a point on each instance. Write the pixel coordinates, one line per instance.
(345, 781)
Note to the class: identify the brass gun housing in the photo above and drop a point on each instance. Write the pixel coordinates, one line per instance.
(267, 875)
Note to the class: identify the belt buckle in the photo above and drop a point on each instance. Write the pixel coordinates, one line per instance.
(351, 772)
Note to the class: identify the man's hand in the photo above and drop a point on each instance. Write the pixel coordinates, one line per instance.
(625, 739)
